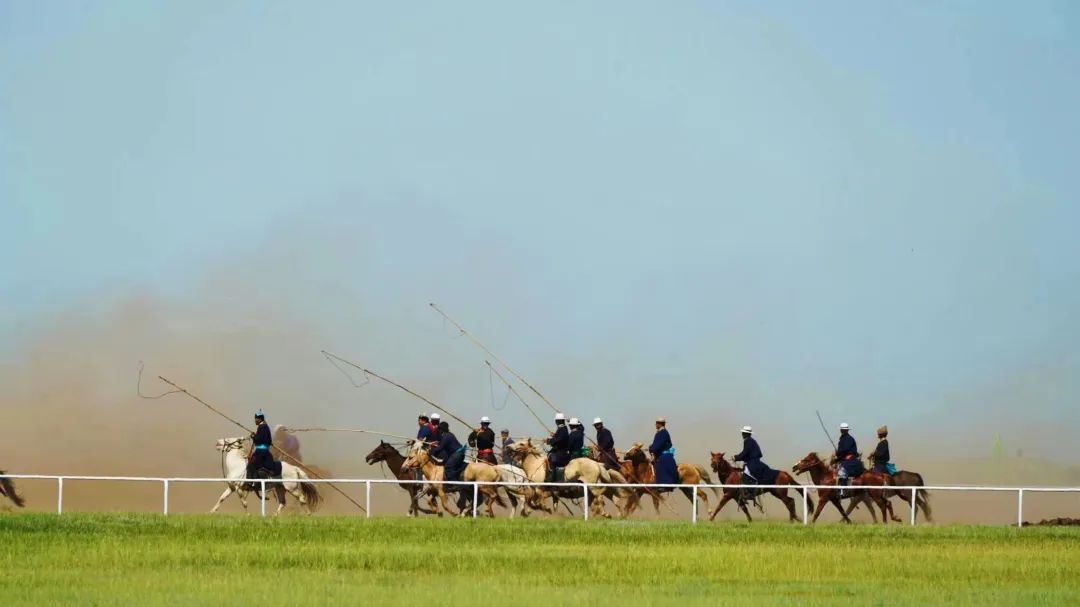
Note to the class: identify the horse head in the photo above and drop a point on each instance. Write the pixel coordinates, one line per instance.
(719, 464)
(808, 463)
(635, 454)
(418, 456)
(229, 444)
(380, 453)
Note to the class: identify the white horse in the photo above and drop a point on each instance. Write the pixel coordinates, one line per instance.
(235, 465)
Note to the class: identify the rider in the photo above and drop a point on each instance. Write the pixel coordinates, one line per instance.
(483, 439)
(663, 452)
(847, 453)
(504, 444)
(434, 425)
(261, 458)
(880, 457)
(450, 452)
(577, 439)
(606, 443)
(753, 468)
(559, 447)
(424, 433)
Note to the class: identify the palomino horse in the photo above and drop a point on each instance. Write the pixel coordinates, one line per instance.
(7, 489)
(582, 469)
(234, 465)
(823, 475)
(729, 475)
(385, 452)
(637, 469)
(421, 460)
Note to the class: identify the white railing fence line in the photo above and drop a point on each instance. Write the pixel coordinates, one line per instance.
(475, 485)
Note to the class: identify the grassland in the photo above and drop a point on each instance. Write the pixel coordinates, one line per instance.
(202, 560)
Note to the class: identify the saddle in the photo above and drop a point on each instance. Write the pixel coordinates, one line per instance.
(749, 490)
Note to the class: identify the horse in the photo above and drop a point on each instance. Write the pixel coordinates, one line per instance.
(385, 452)
(234, 467)
(906, 478)
(637, 469)
(7, 489)
(582, 469)
(822, 475)
(420, 459)
(729, 475)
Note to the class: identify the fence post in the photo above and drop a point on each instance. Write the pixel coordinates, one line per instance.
(805, 506)
(586, 495)
(165, 498)
(693, 509)
(914, 497)
(367, 499)
(262, 502)
(475, 497)
(1020, 508)
(60, 495)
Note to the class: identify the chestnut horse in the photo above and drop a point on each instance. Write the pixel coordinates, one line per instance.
(7, 488)
(729, 475)
(906, 478)
(637, 469)
(824, 475)
(386, 452)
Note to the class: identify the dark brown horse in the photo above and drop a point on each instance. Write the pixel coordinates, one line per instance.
(7, 488)
(824, 475)
(906, 478)
(386, 452)
(728, 475)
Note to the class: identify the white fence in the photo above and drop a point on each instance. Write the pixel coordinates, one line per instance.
(368, 483)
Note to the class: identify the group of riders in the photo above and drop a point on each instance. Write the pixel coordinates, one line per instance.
(567, 443)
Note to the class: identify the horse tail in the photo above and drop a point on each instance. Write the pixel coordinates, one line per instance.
(9, 489)
(311, 494)
(707, 478)
(925, 494)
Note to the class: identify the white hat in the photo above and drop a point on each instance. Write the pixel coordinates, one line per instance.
(559, 417)
(748, 429)
(597, 420)
(575, 421)
(485, 420)
(661, 420)
(435, 416)
(844, 426)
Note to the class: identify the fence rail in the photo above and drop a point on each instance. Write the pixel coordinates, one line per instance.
(804, 490)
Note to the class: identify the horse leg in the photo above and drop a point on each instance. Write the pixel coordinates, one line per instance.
(823, 500)
(224, 496)
(834, 499)
(723, 501)
(781, 494)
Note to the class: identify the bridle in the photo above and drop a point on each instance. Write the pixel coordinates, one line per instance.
(226, 446)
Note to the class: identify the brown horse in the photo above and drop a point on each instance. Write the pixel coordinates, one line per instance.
(7, 488)
(386, 452)
(906, 478)
(823, 475)
(637, 469)
(728, 475)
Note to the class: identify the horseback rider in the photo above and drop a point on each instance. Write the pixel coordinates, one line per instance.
(504, 446)
(755, 471)
(483, 440)
(261, 458)
(559, 447)
(577, 439)
(606, 443)
(433, 424)
(451, 453)
(425, 431)
(663, 452)
(880, 456)
(847, 454)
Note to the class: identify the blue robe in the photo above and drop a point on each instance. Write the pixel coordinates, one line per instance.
(751, 456)
(848, 454)
(576, 443)
(667, 471)
(560, 448)
(606, 443)
(424, 433)
(452, 454)
(261, 456)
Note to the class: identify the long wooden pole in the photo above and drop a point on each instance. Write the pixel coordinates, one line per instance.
(515, 393)
(292, 459)
(494, 357)
(399, 386)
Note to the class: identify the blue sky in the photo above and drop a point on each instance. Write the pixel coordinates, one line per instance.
(833, 205)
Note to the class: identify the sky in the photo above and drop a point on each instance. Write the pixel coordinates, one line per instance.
(691, 209)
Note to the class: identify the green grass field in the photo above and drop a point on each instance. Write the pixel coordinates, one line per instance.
(203, 560)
